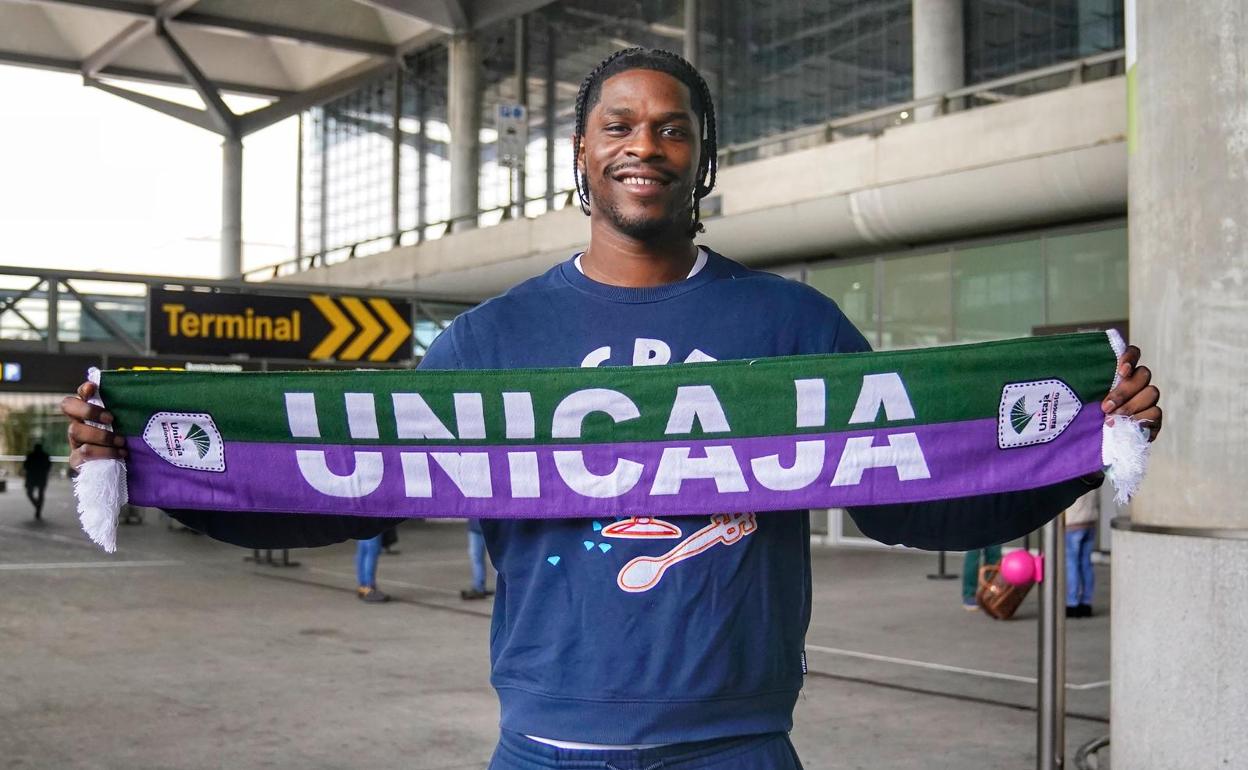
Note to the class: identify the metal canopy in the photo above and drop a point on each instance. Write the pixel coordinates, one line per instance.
(299, 53)
(274, 48)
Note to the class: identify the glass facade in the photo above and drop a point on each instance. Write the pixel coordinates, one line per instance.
(347, 162)
(979, 292)
(1008, 36)
(424, 165)
(983, 291)
(772, 67)
(781, 65)
(357, 162)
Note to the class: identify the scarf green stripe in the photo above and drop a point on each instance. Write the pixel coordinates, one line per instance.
(942, 384)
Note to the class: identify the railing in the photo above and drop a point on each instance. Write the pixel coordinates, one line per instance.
(872, 122)
(406, 237)
(59, 311)
(878, 121)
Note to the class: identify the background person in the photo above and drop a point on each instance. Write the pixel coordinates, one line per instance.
(1081, 519)
(476, 557)
(974, 559)
(367, 551)
(36, 467)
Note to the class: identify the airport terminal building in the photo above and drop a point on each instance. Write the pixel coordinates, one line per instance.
(947, 171)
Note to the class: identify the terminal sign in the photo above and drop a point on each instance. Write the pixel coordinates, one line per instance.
(318, 327)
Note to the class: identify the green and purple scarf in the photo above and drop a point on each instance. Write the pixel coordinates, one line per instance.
(818, 431)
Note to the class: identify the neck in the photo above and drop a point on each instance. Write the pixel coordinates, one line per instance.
(616, 259)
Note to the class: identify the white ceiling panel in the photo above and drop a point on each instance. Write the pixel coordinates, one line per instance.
(264, 47)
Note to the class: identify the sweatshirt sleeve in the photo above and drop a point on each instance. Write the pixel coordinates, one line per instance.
(307, 530)
(282, 530)
(958, 524)
(965, 523)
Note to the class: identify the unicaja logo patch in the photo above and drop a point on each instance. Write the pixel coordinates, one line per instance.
(186, 440)
(1035, 412)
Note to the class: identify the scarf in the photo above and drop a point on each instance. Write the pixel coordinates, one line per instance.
(787, 433)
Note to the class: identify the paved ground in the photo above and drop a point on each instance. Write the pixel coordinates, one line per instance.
(175, 653)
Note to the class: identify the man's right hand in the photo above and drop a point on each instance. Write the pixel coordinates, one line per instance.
(87, 442)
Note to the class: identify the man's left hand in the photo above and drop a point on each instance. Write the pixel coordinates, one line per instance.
(1135, 397)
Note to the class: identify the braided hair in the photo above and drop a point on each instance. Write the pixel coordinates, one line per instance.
(700, 98)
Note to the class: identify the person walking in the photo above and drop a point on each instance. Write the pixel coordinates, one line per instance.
(367, 552)
(1081, 519)
(36, 468)
(974, 559)
(476, 556)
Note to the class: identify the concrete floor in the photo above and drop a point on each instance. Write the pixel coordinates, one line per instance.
(175, 653)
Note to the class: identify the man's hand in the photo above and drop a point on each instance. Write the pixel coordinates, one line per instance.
(1134, 396)
(87, 442)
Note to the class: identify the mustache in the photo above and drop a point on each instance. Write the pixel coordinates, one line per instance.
(619, 168)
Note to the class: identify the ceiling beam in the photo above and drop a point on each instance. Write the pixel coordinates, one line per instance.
(104, 55)
(280, 32)
(297, 103)
(182, 112)
(74, 66)
(225, 119)
(458, 14)
(134, 32)
(455, 16)
(487, 12)
(434, 12)
(213, 21)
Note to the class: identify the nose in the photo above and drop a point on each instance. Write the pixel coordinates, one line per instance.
(644, 144)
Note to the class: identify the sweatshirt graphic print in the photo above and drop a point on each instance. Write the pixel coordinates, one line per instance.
(648, 629)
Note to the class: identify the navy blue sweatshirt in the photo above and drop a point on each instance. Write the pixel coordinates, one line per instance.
(713, 648)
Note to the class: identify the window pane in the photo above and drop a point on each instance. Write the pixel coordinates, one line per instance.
(1008, 36)
(780, 65)
(999, 291)
(918, 306)
(1087, 277)
(853, 288)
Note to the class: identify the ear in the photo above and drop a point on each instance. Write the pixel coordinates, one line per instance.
(580, 154)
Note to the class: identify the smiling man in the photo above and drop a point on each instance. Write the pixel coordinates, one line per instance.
(647, 642)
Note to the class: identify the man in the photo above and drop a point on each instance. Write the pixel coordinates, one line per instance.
(36, 467)
(703, 667)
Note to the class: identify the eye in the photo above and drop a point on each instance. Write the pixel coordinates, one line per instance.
(675, 132)
(616, 129)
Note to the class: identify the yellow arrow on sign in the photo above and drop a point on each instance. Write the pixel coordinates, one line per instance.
(342, 327)
(399, 330)
(370, 330)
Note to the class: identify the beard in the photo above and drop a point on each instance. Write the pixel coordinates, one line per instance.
(678, 215)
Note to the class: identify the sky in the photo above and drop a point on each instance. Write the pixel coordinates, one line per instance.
(90, 181)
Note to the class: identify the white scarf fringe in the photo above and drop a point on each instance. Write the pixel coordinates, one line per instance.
(1124, 442)
(100, 488)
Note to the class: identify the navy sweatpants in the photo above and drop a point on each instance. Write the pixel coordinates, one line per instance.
(755, 752)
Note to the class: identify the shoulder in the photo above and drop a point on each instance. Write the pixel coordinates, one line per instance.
(796, 296)
(814, 319)
(533, 292)
(458, 347)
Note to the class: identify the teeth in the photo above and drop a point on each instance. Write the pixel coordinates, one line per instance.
(639, 180)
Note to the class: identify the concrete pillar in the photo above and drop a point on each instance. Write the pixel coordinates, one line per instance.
(299, 191)
(550, 77)
(939, 52)
(692, 23)
(1180, 578)
(522, 98)
(396, 156)
(231, 207)
(464, 109)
